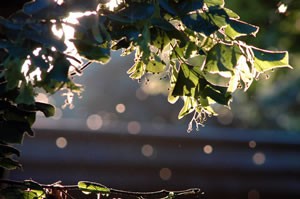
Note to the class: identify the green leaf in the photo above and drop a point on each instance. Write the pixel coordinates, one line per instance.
(133, 13)
(137, 70)
(222, 59)
(237, 28)
(200, 22)
(187, 83)
(13, 73)
(189, 6)
(26, 95)
(171, 98)
(191, 83)
(265, 60)
(29, 194)
(188, 107)
(47, 109)
(165, 4)
(92, 52)
(214, 2)
(92, 187)
(6, 150)
(11, 113)
(231, 14)
(60, 70)
(35, 188)
(11, 193)
(218, 16)
(155, 65)
(9, 164)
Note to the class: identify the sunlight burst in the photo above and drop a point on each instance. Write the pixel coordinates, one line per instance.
(113, 4)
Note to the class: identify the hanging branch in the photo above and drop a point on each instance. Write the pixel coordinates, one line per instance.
(31, 189)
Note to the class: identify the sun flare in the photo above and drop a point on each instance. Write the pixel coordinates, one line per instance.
(113, 4)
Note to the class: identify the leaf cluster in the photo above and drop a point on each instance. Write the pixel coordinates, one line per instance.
(195, 43)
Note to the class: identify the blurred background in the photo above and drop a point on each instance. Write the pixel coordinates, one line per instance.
(126, 135)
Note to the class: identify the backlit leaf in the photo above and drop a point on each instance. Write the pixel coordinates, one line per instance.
(188, 107)
(265, 60)
(222, 59)
(93, 187)
(237, 28)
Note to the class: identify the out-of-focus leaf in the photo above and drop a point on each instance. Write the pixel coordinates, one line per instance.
(265, 60)
(133, 13)
(11, 193)
(93, 52)
(13, 132)
(6, 150)
(9, 163)
(165, 4)
(26, 95)
(44, 9)
(82, 5)
(214, 2)
(47, 109)
(92, 187)
(13, 73)
(37, 6)
(188, 6)
(60, 70)
(43, 34)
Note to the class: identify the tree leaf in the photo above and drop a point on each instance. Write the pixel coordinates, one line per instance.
(137, 70)
(47, 109)
(200, 22)
(9, 164)
(215, 2)
(222, 59)
(6, 150)
(265, 60)
(92, 52)
(189, 6)
(92, 187)
(35, 188)
(133, 13)
(26, 95)
(237, 28)
(155, 65)
(188, 107)
(11, 193)
(171, 98)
